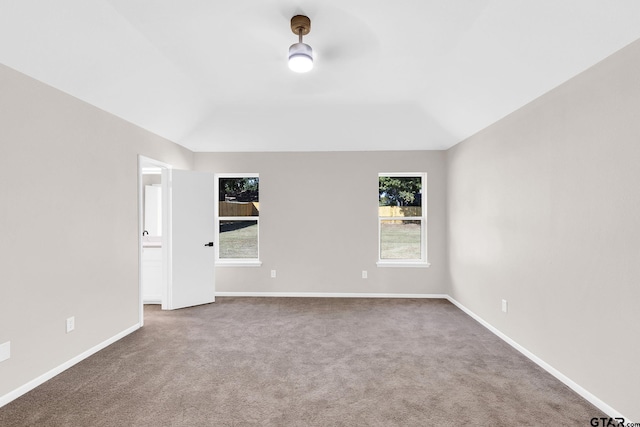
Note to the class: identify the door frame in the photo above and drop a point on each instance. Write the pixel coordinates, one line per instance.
(144, 162)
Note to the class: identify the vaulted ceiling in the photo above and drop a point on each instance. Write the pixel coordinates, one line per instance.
(212, 75)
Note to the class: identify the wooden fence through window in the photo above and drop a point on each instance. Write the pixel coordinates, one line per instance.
(239, 208)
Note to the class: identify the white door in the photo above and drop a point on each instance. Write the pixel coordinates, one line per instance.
(190, 241)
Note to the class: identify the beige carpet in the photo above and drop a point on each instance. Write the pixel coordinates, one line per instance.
(304, 362)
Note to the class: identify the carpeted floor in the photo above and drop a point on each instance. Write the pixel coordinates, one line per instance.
(304, 362)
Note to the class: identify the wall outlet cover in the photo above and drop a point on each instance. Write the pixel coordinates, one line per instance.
(504, 305)
(71, 324)
(5, 351)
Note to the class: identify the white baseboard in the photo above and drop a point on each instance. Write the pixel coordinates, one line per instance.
(327, 295)
(12, 395)
(544, 365)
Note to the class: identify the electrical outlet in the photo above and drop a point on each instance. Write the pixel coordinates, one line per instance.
(364, 274)
(273, 274)
(71, 324)
(5, 351)
(504, 305)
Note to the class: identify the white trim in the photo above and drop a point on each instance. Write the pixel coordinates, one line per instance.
(544, 365)
(420, 264)
(238, 263)
(239, 218)
(400, 218)
(167, 245)
(402, 174)
(157, 163)
(152, 171)
(238, 175)
(327, 295)
(12, 395)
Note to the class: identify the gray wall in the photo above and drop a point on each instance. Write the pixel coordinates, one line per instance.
(544, 211)
(318, 222)
(69, 218)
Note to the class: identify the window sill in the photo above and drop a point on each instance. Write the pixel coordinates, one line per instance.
(238, 263)
(416, 264)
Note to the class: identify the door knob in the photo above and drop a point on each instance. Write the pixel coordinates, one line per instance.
(209, 244)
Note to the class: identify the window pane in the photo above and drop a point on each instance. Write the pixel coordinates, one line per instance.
(400, 239)
(399, 196)
(238, 239)
(239, 196)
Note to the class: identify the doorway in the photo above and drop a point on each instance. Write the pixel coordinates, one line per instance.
(176, 269)
(152, 226)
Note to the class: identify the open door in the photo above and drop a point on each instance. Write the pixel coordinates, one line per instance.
(191, 255)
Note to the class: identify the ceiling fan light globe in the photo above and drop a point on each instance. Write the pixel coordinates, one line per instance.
(300, 63)
(300, 57)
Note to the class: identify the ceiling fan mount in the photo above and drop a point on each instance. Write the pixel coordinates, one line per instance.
(300, 24)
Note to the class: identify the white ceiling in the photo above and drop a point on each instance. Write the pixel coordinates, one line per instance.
(211, 75)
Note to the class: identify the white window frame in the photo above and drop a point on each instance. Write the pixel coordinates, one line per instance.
(233, 262)
(423, 261)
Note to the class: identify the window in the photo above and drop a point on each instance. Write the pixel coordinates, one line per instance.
(238, 219)
(402, 220)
